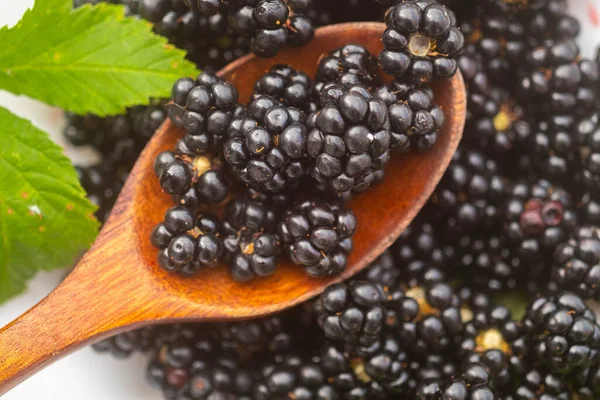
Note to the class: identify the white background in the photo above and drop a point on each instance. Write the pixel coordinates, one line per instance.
(85, 374)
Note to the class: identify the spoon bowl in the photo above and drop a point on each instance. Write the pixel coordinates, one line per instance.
(118, 285)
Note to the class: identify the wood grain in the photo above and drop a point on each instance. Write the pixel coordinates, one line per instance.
(118, 286)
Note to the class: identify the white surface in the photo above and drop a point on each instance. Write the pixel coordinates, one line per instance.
(86, 375)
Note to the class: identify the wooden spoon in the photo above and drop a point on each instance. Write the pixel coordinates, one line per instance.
(118, 286)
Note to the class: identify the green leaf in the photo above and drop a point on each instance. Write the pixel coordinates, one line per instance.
(91, 59)
(45, 219)
(55, 5)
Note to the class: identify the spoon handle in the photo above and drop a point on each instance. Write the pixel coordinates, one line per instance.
(86, 307)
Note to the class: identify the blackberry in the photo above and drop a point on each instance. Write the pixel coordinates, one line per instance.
(338, 367)
(422, 243)
(433, 366)
(537, 383)
(191, 365)
(494, 338)
(350, 142)
(249, 337)
(496, 122)
(318, 235)
(565, 335)
(192, 179)
(102, 185)
(382, 272)
(271, 24)
(538, 216)
(554, 147)
(549, 20)
(125, 344)
(187, 243)
(267, 147)
(576, 265)
(589, 132)
(498, 41)
(351, 313)
(470, 193)
(292, 377)
(426, 316)
(413, 116)
(119, 138)
(487, 261)
(384, 366)
(252, 247)
(421, 41)
(204, 108)
(557, 81)
(588, 208)
(291, 87)
(349, 65)
(257, 256)
(475, 382)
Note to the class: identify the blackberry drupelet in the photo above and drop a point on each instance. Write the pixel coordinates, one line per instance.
(421, 42)
(349, 142)
(350, 65)
(290, 87)
(317, 234)
(351, 313)
(193, 366)
(475, 382)
(576, 263)
(187, 243)
(414, 117)
(252, 247)
(204, 107)
(470, 193)
(267, 147)
(125, 344)
(564, 333)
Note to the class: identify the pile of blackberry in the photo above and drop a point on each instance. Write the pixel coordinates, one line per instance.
(271, 149)
(483, 296)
